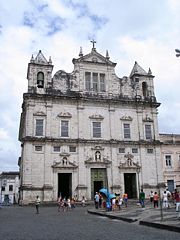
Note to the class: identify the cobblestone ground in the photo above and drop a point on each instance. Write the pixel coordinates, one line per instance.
(21, 223)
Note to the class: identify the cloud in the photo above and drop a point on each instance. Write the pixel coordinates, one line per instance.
(3, 134)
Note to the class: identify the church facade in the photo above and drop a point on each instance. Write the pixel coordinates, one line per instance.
(88, 129)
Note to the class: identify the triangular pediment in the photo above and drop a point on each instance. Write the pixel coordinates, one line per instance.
(94, 57)
(138, 70)
(40, 58)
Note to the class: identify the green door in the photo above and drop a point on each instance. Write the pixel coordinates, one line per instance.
(98, 180)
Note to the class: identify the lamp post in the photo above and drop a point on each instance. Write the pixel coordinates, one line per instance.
(177, 52)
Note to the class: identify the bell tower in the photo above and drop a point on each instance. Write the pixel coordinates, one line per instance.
(39, 74)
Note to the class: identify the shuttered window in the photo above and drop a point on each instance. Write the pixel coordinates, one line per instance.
(148, 133)
(64, 128)
(88, 81)
(102, 82)
(96, 129)
(127, 132)
(39, 127)
(95, 82)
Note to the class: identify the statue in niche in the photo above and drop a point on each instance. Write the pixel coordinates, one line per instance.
(64, 161)
(129, 159)
(97, 156)
(129, 162)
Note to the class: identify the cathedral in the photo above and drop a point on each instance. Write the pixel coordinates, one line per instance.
(88, 129)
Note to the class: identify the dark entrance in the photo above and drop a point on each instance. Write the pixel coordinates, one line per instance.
(97, 186)
(170, 184)
(64, 185)
(130, 184)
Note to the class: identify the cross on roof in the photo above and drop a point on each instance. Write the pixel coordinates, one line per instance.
(93, 42)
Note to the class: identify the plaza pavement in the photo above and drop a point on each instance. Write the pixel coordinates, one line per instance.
(158, 218)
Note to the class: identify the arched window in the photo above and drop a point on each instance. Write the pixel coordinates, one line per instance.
(40, 80)
(145, 89)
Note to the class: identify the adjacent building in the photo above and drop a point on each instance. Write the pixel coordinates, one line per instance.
(171, 160)
(88, 129)
(9, 186)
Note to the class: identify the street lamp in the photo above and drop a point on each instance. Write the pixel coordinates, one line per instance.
(178, 52)
(138, 171)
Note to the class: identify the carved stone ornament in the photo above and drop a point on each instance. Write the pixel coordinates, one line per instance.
(39, 113)
(64, 163)
(126, 118)
(98, 159)
(147, 119)
(64, 154)
(96, 148)
(96, 116)
(129, 163)
(64, 115)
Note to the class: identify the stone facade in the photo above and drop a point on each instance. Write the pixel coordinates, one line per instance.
(171, 160)
(88, 129)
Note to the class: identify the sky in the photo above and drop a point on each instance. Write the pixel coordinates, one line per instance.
(145, 31)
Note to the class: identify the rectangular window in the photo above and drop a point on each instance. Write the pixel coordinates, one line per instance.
(102, 82)
(95, 82)
(88, 81)
(134, 150)
(64, 128)
(127, 133)
(10, 187)
(150, 150)
(72, 149)
(39, 127)
(2, 188)
(38, 148)
(96, 129)
(168, 161)
(121, 150)
(56, 148)
(148, 133)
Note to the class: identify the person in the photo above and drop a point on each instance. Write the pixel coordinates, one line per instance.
(113, 204)
(65, 204)
(125, 199)
(142, 198)
(100, 200)
(96, 200)
(72, 203)
(120, 202)
(165, 199)
(168, 197)
(155, 200)
(177, 199)
(68, 204)
(151, 195)
(59, 203)
(83, 201)
(37, 202)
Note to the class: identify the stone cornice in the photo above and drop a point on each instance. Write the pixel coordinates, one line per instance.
(76, 96)
(91, 141)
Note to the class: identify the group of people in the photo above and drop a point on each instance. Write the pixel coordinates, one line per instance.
(120, 199)
(166, 197)
(101, 201)
(69, 204)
